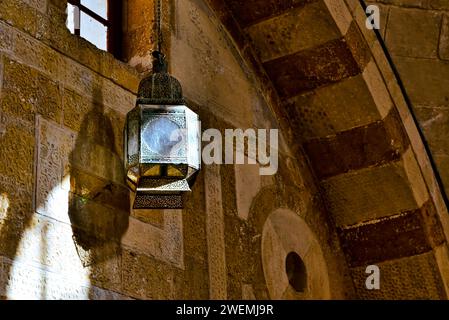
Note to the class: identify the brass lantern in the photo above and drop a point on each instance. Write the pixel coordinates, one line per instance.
(162, 142)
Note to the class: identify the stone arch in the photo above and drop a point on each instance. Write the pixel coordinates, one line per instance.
(328, 81)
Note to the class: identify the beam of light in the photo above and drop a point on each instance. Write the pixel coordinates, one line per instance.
(4, 205)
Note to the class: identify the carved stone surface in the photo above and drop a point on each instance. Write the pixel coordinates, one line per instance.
(51, 80)
(52, 181)
(165, 244)
(285, 232)
(32, 282)
(215, 233)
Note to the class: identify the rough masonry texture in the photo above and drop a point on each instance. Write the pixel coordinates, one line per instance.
(355, 185)
(417, 36)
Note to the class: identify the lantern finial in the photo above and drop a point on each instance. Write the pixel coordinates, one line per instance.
(159, 63)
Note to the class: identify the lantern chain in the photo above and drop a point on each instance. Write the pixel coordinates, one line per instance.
(159, 25)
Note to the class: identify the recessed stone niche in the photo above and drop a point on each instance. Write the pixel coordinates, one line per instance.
(247, 186)
(293, 262)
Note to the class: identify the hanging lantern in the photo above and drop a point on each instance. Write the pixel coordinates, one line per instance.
(162, 142)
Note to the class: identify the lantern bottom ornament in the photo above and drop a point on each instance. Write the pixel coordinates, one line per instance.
(162, 142)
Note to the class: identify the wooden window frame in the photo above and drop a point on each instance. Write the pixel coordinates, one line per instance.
(113, 23)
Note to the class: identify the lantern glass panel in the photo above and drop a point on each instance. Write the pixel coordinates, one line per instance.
(160, 136)
(193, 138)
(132, 138)
(163, 134)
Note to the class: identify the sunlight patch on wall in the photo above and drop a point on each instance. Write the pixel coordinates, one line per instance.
(47, 265)
(4, 205)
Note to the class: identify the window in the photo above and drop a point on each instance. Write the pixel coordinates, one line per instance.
(98, 21)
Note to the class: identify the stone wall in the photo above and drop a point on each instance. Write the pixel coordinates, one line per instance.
(340, 101)
(138, 36)
(354, 184)
(417, 36)
(66, 228)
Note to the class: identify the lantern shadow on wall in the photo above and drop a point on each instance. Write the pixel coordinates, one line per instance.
(99, 206)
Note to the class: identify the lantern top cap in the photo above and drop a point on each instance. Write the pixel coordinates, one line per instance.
(160, 87)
